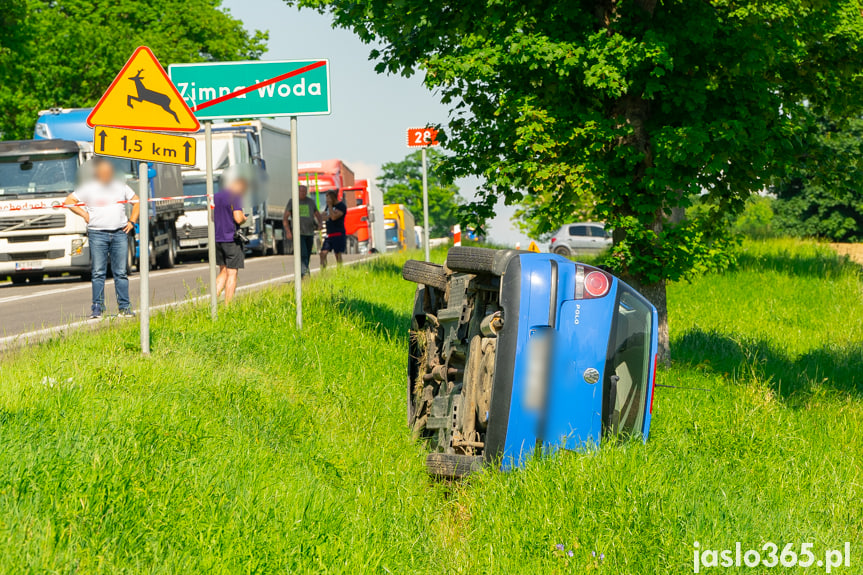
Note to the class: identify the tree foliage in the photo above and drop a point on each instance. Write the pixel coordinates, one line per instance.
(401, 183)
(639, 103)
(66, 52)
(822, 196)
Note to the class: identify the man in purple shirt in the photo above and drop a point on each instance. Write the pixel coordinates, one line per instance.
(228, 216)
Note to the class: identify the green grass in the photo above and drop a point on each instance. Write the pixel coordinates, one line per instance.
(242, 446)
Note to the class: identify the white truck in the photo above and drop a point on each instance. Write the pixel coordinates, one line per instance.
(39, 238)
(262, 147)
(36, 237)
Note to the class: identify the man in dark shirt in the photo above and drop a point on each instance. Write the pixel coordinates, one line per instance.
(336, 239)
(228, 216)
(310, 222)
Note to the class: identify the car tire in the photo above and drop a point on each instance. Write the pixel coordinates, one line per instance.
(471, 260)
(452, 466)
(168, 259)
(562, 251)
(425, 273)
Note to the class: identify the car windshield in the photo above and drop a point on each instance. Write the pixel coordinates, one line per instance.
(392, 233)
(38, 175)
(195, 189)
(628, 368)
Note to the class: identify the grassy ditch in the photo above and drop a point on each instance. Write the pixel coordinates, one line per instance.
(242, 446)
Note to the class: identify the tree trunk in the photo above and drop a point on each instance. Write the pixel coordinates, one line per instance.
(655, 294)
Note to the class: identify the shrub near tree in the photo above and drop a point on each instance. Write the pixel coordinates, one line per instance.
(65, 53)
(640, 103)
(402, 183)
(822, 196)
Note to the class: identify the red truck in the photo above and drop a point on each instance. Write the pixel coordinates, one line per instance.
(323, 176)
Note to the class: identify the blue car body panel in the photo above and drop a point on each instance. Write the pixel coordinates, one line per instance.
(555, 339)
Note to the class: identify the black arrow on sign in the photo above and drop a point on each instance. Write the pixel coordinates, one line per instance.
(102, 136)
(187, 145)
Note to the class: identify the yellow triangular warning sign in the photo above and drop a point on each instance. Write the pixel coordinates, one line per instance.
(142, 97)
(533, 247)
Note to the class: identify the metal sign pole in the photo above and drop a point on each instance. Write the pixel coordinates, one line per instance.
(426, 205)
(144, 254)
(211, 227)
(295, 223)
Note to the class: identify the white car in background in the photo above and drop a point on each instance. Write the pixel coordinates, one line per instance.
(580, 238)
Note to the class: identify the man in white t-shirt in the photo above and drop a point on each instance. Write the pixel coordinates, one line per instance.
(108, 230)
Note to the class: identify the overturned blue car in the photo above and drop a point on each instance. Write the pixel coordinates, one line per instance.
(515, 353)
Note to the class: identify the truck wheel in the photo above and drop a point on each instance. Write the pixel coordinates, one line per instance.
(471, 260)
(168, 258)
(425, 273)
(452, 465)
(18, 280)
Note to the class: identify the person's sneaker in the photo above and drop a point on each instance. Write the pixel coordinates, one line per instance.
(126, 313)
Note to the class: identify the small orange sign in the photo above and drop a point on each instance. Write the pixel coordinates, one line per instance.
(422, 137)
(142, 97)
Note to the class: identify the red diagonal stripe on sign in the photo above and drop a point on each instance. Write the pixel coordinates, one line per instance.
(253, 87)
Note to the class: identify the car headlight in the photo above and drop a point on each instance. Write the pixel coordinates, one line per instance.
(77, 247)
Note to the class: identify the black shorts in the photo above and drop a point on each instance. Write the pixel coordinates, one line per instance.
(230, 255)
(334, 244)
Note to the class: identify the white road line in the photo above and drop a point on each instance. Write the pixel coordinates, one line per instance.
(21, 339)
(136, 277)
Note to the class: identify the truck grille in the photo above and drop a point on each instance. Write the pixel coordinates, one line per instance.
(28, 256)
(192, 233)
(40, 222)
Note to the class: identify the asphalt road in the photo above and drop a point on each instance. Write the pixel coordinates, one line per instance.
(59, 302)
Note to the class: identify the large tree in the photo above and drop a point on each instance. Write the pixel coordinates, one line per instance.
(66, 52)
(822, 196)
(641, 103)
(401, 183)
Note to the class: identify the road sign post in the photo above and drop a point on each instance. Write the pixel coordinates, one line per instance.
(144, 254)
(423, 138)
(228, 90)
(145, 100)
(211, 223)
(426, 235)
(295, 224)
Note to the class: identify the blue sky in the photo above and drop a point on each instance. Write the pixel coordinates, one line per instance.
(371, 112)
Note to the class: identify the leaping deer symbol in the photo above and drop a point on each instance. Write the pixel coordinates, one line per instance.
(146, 95)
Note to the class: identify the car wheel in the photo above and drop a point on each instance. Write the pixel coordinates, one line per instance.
(471, 260)
(452, 466)
(425, 273)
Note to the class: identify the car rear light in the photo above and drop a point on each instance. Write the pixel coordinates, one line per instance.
(596, 284)
(591, 283)
(653, 384)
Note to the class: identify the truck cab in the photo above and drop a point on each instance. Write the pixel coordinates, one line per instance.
(399, 228)
(37, 237)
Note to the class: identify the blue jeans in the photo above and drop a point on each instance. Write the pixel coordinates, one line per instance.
(105, 245)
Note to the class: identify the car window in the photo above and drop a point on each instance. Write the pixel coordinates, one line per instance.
(578, 230)
(628, 369)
